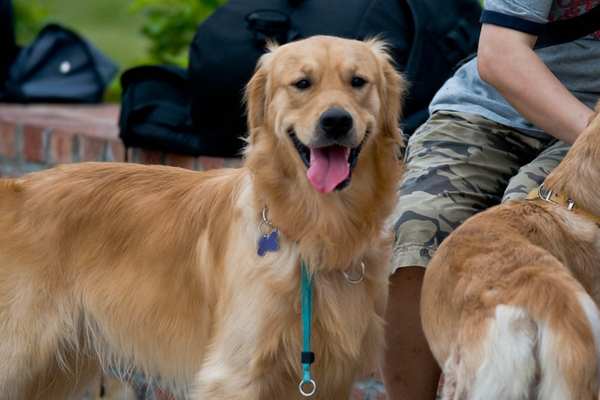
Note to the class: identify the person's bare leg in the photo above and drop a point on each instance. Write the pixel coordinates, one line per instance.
(409, 372)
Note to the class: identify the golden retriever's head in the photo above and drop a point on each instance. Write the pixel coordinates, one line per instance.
(578, 174)
(320, 102)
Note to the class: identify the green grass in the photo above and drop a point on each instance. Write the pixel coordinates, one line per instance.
(108, 24)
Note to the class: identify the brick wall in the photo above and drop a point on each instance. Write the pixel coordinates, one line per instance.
(41, 136)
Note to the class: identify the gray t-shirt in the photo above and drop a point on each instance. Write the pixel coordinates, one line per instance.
(576, 65)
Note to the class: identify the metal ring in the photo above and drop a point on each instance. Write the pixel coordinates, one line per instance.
(545, 194)
(265, 218)
(310, 392)
(359, 279)
(262, 225)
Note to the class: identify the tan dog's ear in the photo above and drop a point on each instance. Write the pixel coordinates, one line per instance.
(391, 89)
(255, 95)
(255, 100)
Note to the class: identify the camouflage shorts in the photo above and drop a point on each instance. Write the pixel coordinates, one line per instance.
(458, 164)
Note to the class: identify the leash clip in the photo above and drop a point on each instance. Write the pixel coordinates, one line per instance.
(266, 226)
(269, 239)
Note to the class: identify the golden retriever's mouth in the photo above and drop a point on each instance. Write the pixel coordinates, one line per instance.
(329, 168)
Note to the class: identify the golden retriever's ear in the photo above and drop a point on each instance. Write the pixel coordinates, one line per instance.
(391, 89)
(255, 96)
(255, 99)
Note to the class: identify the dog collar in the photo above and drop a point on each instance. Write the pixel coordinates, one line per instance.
(561, 199)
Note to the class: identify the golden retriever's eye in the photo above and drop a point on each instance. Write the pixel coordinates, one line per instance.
(302, 84)
(358, 82)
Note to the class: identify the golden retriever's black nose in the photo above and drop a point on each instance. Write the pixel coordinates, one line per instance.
(336, 122)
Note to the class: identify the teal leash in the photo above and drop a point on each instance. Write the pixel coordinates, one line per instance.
(269, 242)
(307, 385)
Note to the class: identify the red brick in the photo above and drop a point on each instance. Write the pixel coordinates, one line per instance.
(61, 147)
(8, 140)
(206, 163)
(92, 149)
(150, 157)
(116, 151)
(177, 160)
(33, 143)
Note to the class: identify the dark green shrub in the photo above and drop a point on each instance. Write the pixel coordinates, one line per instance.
(29, 18)
(169, 25)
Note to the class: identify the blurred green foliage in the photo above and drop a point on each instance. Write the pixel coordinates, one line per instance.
(169, 26)
(29, 18)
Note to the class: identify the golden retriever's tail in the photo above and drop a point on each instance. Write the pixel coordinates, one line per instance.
(543, 346)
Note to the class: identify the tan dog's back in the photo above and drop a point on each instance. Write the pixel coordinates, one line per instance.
(509, 301)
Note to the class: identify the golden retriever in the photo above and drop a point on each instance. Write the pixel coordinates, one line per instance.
(156, 268)
(509, 303)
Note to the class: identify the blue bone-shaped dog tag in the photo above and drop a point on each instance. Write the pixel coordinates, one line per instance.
(268, 243)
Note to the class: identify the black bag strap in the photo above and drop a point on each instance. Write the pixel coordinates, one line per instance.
(552, 33)
(568, 30)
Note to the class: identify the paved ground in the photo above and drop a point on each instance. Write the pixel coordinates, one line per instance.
(368, 389)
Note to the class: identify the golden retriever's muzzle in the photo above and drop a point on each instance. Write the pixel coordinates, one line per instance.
(332, 153)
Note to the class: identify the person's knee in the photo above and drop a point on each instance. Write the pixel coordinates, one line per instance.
(405, 287)
(409, 275)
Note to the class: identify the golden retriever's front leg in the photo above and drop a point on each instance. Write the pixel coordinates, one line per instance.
(219, 380)
(231, 373)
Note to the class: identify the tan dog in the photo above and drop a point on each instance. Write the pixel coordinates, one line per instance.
(156, 268)
(510, 299)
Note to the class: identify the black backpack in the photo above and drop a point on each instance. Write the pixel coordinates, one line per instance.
(155, 111)
(427, 37)
(58, 66)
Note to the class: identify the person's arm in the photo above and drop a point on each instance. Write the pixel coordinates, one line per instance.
(506, 61)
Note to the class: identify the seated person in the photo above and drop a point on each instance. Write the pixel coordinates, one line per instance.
(497, 128)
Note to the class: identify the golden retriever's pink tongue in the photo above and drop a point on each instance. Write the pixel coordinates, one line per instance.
(328, 167)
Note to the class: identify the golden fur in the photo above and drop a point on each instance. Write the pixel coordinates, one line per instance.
(524, 275)
(155, 268)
